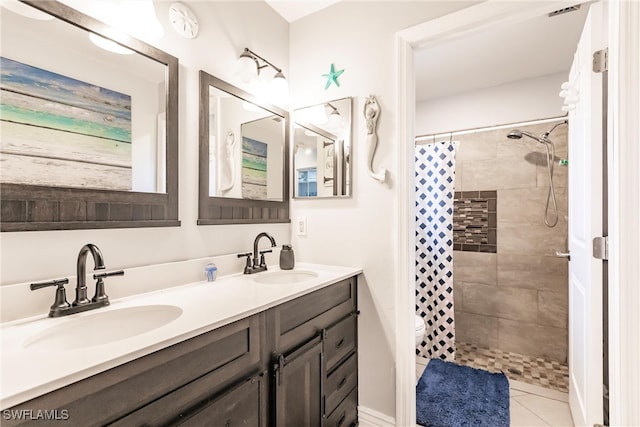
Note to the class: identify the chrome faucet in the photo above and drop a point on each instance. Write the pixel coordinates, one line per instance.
(257, 263)
(60, 306)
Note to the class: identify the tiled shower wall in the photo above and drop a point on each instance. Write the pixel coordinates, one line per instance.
(516, 298)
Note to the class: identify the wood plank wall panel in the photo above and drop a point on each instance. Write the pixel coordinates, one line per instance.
(245, 215)
(25, 208)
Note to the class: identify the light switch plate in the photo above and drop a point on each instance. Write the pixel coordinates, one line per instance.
(301, 226)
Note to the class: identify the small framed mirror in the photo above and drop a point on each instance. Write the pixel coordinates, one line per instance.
(243, 157)
(89, 135)
(322, 150)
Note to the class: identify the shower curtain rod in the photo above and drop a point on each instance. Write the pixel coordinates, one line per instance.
(427, 139)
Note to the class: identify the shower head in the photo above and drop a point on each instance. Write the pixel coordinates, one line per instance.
(517, 134)
(514, 134)
(550, 158)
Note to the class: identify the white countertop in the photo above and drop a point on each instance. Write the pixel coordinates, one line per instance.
(30, 372)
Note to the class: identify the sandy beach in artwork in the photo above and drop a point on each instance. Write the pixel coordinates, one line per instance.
(31, 155)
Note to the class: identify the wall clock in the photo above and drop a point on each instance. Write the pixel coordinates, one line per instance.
(183, 20)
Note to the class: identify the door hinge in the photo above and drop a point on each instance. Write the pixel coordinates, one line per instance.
(600, 60)
(601, 248)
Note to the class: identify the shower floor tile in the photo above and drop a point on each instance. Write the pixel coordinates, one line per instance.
(527, 369)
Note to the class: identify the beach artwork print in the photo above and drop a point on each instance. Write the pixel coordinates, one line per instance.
(59, 131)
(254, 169)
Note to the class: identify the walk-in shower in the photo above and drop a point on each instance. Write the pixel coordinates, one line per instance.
(508, 314)
(551, 155)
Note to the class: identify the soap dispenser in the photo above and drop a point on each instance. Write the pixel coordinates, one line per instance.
(287, 260)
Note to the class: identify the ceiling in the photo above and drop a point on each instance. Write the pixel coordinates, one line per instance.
(292, 10)
(498, 55)
(491, 57)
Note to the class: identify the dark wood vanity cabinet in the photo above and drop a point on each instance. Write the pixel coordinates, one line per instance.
(297, 385)
(292, 365)
(160, 388)
(315, 366)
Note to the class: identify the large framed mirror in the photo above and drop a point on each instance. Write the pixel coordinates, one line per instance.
(89, 137)
(243, 157)
(322, 150)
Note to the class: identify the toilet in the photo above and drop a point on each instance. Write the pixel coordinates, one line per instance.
(419, 329)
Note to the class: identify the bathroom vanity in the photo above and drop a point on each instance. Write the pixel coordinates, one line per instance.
(288, 356)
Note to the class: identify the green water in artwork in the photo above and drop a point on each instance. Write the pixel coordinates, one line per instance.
(69, 124)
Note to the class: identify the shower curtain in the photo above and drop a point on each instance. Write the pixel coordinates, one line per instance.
(434, 180)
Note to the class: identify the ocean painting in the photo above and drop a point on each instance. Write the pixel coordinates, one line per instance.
(254, 169)
(60, 131)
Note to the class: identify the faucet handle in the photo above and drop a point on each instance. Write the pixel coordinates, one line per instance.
(60, 303)
(109, 274)
(55, 282)
(247, 267)
(100, 295)
(263, 263)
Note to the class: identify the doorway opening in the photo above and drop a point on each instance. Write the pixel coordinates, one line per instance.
(415, 39)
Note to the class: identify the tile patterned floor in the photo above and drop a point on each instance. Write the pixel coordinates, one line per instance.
(527, 369)
(529, 405)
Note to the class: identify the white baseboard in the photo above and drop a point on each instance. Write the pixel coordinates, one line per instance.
(369, 418)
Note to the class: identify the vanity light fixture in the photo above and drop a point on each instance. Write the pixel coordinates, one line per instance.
(138, 18)
(335, 119)
(252, 67)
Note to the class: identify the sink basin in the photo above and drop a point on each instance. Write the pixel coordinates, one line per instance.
(102, 327)
(285, 277)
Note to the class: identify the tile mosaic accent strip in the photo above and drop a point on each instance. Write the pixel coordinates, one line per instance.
(474, 221)
(528, 369)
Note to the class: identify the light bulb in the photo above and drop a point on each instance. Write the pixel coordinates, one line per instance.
(266, 75)
(247, 68)
(140, 19)
(280, 88)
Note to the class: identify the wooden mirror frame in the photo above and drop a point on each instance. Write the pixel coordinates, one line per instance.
(34, 207)
(222, 210)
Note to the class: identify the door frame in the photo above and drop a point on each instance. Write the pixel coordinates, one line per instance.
(624, 205)
(457, 24)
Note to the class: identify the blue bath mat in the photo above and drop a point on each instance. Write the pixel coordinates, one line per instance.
(451, 395)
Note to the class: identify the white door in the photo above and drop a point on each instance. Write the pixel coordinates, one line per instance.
(585, 223)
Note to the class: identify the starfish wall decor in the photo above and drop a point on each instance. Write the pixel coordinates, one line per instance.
(332, 77)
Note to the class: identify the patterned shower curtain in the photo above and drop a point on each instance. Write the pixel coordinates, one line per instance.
(435, 173)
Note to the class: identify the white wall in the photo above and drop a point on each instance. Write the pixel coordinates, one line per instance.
(225, 29)
(522, 100)
(359, 37)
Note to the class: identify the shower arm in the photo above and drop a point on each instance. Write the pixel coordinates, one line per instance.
(546, 135)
